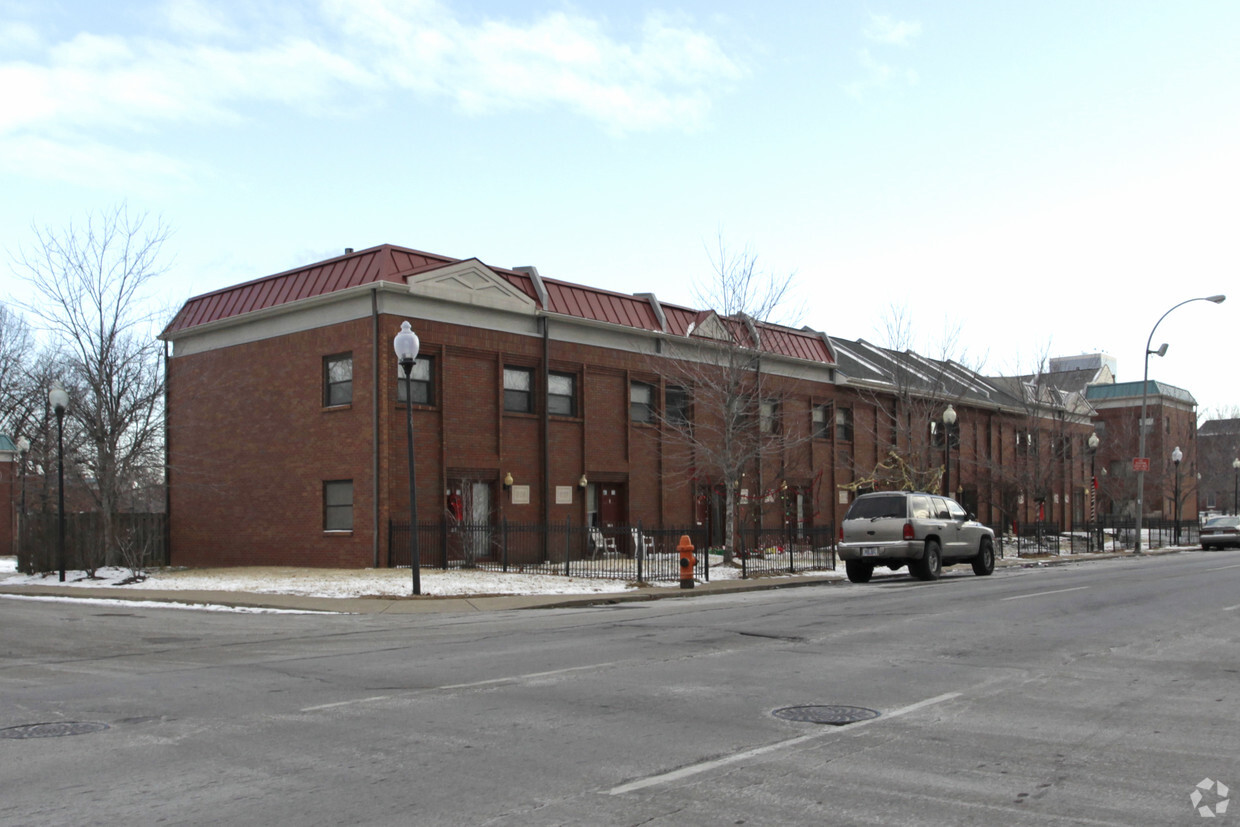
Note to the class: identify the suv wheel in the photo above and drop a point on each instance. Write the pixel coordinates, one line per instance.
(930, 566)
(984, 562)
(858, 572)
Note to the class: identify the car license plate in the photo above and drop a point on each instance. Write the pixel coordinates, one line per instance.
(869, 551)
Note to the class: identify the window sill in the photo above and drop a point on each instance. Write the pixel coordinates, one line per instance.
(348, 406)
(338, 532)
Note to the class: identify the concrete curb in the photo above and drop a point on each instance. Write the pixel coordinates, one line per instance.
(491, 603)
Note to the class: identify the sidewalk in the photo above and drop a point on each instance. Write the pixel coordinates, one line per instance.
(489, 603)
(414, 605)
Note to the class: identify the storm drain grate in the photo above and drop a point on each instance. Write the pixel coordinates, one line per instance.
(834, 715)
(53, 730)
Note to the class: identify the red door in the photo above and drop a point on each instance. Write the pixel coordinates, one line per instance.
(611, 511)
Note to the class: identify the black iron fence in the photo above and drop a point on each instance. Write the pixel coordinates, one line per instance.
(628, 553)
(766, 552)
(139, 541)
(1109, 533)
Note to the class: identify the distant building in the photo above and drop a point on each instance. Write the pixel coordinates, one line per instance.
(1218, 448)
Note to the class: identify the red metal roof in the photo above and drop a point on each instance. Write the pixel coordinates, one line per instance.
(384, 263)
(397, 264)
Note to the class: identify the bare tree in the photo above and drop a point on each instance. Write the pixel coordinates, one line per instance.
(17, 395)
(908, 411)
(93, 284)
(734, 426)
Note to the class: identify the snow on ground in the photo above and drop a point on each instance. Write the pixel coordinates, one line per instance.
(342, 582)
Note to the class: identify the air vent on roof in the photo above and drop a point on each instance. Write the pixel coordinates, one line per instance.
(348, 251)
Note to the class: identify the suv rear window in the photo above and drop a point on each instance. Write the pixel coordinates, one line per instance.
(867, 508)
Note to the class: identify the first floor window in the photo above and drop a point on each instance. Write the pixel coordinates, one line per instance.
(338, 505)
(423, 389)
(641, 402)
(518, 384)
(338, 379)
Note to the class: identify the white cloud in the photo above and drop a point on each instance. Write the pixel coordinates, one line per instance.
(884, 29)
(663, 79)
(202, 67)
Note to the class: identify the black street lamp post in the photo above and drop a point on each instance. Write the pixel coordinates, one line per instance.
(1176, 456)
(1092, 444)
(406, 345)
(60, 401)
(949, 420)
(23, 448)
(1235, 497)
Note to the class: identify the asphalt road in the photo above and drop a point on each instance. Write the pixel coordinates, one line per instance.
(1097, 693)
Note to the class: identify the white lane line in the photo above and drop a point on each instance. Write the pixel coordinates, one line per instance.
(530, 676)
(475, 684)
(707, 766)
(1224, 568)
(1043, 594)
(346, 703)
(1231, 608)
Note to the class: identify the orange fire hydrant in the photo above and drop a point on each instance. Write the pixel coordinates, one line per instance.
(687, 561)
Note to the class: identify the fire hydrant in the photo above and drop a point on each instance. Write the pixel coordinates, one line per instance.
(687, 561)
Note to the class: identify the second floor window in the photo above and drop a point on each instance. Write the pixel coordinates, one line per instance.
(518, 390)
(677, 405)
(562, 394)
(844, 424)
(641, 402)
(423, 389)
(821, 422)
(338, 379)
(768, 416)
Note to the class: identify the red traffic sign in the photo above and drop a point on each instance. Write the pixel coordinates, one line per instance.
(1140, 463)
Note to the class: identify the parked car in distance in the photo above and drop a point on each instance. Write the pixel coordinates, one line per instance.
(912, 528)
(1219, 532)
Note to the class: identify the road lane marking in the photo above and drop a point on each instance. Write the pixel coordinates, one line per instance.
(1224, 568)
(707, 766)
(1231, 608)
(347, 703)
(1043, 594)
(475, 684)
(530, 676)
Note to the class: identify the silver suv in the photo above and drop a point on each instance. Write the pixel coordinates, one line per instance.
(913, 528)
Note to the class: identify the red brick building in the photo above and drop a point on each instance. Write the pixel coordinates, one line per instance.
(286, 419)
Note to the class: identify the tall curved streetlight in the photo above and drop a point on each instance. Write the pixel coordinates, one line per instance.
(59, 400)
(406, 346)
(1145, 385)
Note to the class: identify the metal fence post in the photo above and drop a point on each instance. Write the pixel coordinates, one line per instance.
(503, 533)
(568, 539)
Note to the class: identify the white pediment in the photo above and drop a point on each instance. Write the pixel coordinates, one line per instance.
(471, 282)
(711, 328)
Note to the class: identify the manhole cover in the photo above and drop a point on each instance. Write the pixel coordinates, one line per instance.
(53, 730)
(834, 715)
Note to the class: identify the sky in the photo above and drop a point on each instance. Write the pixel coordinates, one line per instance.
(1023, 179)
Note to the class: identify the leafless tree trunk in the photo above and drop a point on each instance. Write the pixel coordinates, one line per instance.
(93, 285)
(908, 415)
(733, 424)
